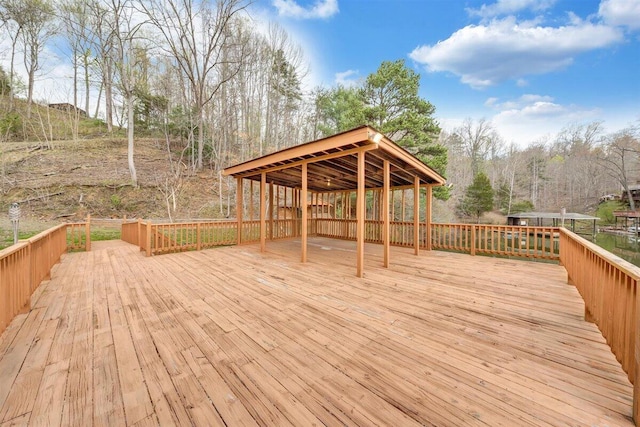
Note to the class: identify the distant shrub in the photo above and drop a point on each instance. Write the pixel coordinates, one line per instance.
(605, 211)
(521, 206)
(116, 202)
(10, 124)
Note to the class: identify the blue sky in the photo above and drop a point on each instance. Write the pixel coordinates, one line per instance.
(530, 66)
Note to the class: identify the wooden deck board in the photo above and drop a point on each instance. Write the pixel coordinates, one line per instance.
(232, 336)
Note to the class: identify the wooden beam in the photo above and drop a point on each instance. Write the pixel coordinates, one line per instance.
(303, 203)
(263, 213)
(385, 215)
(400, 153)
(239, 208)
(351, 137)
(394, 188)
(360, 212)
(416, 215)
(323, 157)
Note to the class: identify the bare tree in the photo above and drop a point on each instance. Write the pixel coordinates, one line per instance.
(512, 168)
(75, 18)
(102, 28)
(10, 13)
(478, 141)
(581, 171)
(38, 25)
(125, 36)
(284, 73)
(196, 33)
(619, 157)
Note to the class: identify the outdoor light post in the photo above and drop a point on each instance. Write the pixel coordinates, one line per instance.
(14, 217)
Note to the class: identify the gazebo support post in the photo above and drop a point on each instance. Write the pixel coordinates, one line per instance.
(428, 216)
(271, 198)
(385, 212)
(263, 212)
(416, 215)
(303, 207)
(239, 208)
(360, 212)
(251, 215)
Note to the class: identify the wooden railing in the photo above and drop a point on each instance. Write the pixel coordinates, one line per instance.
(79, 236)
(130, 232)
(285, 228)
(500, 240)
(250, 231)
(26, 264)
(180, 237)
(162, 238)
(610, 290)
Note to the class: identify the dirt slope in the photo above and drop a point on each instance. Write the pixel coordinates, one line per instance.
(76, 178)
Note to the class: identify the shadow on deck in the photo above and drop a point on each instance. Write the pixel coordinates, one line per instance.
(232, 336)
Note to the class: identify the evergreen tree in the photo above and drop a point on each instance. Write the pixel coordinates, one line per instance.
(478, 197)
(339, 109)
(389, 101)
(393, 106)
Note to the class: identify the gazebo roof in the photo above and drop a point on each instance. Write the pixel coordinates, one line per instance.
(332, 163)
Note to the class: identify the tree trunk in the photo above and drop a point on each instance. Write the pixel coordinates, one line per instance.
(108, 95)
(87, 87)
(12, 74)
(32, 78)
(97, 111)
(200, 136)
(130, 125)
(632, 203)
(75, 115)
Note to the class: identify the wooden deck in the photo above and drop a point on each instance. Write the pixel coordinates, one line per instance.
(232, 336)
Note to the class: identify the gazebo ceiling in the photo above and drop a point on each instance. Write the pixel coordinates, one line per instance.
(332, 163)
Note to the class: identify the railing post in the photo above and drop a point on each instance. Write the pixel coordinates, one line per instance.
(49, 251)
(87, 233)
(473, 240)
(27, 306)
(148, 238)
(636, 383)
(198, 238)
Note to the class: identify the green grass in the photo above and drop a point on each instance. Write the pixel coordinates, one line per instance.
(97, 234)
(6, 237)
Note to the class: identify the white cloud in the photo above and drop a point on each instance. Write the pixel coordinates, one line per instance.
(347, 78)
(509, 7)
(321, 9)
(484, 55)
(531, 117)
(525, 100)
(624, 13)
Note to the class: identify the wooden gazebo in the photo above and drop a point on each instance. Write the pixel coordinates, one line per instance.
(357, 160)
